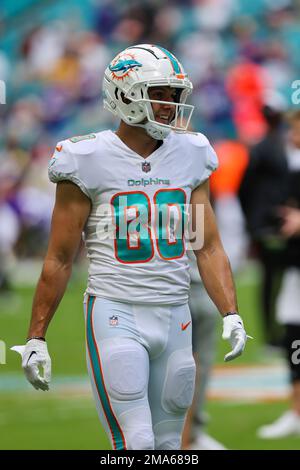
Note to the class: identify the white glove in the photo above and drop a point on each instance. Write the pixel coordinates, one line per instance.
(233, 330)
(34, 355)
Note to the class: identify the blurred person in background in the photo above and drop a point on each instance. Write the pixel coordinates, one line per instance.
(9, 232)
(288, 302)
(293, 200)
(263, 190)
(246, 82)
(14, 164)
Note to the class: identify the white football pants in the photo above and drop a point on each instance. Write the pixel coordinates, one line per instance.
(142, 371)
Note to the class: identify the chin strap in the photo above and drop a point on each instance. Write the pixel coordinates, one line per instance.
(156, 131)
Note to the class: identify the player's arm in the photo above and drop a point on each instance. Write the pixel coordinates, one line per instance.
(212, 261)
(215, 271)
(71, 210)
(291, 222)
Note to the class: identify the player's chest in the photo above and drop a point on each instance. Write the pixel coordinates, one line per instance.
(151, 177)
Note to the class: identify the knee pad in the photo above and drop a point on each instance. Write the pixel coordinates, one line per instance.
(126, 372)
(179, 384)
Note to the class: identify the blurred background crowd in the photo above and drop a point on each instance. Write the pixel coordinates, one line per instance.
(243, 59)
(52, 58)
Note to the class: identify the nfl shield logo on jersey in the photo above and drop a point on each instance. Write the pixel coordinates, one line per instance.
(146, 167)
(113, 321)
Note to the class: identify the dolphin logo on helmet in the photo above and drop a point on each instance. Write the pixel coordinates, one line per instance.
(124, 65)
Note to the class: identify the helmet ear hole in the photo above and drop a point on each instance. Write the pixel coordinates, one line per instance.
(125, 100)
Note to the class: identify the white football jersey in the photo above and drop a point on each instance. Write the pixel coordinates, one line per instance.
(138, 206)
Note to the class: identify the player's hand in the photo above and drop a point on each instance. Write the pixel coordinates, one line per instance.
(233, 330)
(34, 355)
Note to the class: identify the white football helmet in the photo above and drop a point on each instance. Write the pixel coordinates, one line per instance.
(128, 78)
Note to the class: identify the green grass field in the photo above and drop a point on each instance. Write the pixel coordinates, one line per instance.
(65, 417)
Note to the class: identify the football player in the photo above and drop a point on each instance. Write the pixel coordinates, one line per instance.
(129, 191)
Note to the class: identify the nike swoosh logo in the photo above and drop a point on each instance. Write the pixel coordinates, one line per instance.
(184, 327)
(31, 354)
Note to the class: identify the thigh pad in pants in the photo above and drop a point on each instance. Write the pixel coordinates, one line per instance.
(126, 370)
(179, 384)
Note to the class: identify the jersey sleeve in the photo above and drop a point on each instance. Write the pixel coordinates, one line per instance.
(65, 165)
(212, 162)
(204, 158)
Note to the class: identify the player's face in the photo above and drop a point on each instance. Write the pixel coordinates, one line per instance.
(163, 113)
(295, 133)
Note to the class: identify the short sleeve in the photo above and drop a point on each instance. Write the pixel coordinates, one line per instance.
(204, 158)
(64, 166)
(212, 162)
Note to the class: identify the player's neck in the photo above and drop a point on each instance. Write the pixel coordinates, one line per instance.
(137, 139)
